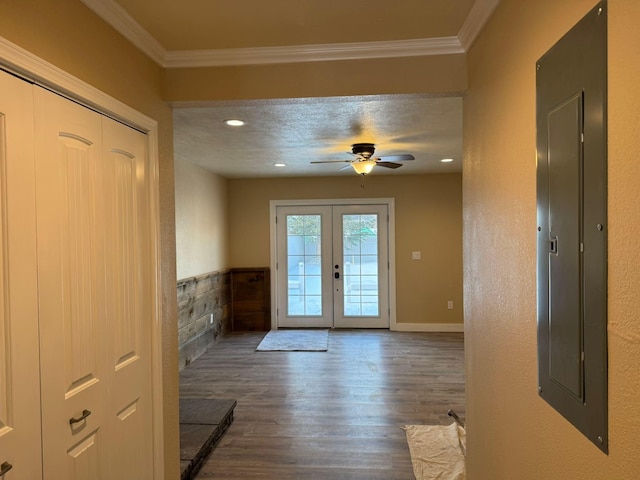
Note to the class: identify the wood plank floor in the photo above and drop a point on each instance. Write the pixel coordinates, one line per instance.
(327, 415)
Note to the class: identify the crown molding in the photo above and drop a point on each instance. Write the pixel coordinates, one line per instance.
(313, 53)
(119, 19)
(34, 69)
(476, 20)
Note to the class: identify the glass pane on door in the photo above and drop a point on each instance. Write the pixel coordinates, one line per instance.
(360, 260)
(332, 267)
(304, 265)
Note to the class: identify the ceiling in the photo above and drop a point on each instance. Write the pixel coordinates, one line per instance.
(297, 131)
(216, 24)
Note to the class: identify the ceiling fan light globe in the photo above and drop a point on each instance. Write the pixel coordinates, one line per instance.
(363, 167)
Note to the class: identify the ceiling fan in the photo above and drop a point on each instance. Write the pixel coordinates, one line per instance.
(364, 161)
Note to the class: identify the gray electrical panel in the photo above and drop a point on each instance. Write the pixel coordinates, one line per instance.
(571, 100)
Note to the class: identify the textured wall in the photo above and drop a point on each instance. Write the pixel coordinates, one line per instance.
(512, 433)
(201, 220)
(428, 219)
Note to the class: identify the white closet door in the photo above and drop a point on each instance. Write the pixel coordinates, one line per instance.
(128, 301)
(73, 329)
(19, 368)
(94, 277)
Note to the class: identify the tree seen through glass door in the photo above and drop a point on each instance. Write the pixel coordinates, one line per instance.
(304, 266)
(360, 260)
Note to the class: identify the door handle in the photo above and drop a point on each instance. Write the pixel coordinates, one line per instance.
(336, 275)
(85, 414)
(4, 468)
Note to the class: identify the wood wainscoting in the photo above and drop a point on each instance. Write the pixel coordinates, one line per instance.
(250, 299)
(204, 313)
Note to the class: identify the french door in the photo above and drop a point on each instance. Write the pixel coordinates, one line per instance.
(332, 266)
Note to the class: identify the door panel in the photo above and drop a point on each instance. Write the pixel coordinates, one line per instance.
(304, 266)
(332, 266)
(83, 458)
(360, 246)
(72, 303)
(95, 294)
(19, 365)
(128, 315)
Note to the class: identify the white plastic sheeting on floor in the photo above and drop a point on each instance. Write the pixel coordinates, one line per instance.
(437, 451)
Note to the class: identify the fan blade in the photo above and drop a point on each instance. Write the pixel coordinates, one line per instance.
(397, 158)
(388, 164)
(346, 167)
(332, 161)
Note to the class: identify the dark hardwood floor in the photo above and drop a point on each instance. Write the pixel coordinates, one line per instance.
(327, 415)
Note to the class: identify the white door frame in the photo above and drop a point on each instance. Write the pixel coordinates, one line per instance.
(389, 202)
(41, 72)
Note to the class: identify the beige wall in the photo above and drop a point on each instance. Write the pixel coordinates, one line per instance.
(201, 221)
(512, 433)
(71, 37)
(428, 219)
(440, 74)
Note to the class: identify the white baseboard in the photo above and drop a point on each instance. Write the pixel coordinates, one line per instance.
(429, 327)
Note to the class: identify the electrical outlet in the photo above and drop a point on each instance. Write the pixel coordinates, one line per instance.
(416, 255)
(450, 305)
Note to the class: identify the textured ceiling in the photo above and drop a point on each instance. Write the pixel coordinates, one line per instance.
(220, 24)
(297, 131)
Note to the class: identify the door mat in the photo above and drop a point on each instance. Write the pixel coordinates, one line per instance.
(295, 341)
(437, 451)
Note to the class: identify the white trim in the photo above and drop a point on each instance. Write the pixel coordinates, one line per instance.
(429, 327)
(273, 245)
(391, 204)
(39, 71)
(31, 67)
(332, 201)
(476, 20)
(392, 263)
(116, 16)
(313, 53)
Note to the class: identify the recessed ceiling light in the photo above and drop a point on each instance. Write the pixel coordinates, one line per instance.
(447, 160)
(234, 122)
(279, 164)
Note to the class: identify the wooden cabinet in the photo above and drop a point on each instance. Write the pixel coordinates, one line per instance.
(250, 299)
